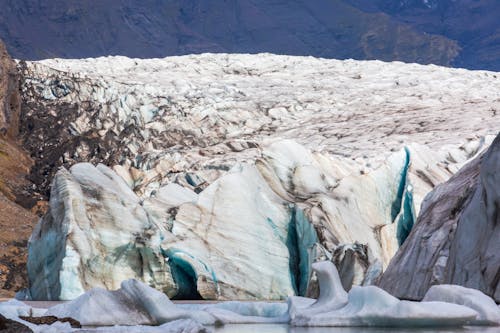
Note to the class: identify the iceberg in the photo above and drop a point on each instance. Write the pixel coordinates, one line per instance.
(134, 303)
(485, 306)
(177, 326)
(136, 307)
(372, 306)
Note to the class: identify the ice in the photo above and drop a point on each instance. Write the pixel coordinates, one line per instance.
(192, 246)
(136, 306)
(205, 155)
(332, 294)
(13, 308)
(485, 306)
(234, 312)
(372, 306)
(133, 304)
(456, 238)
(177, 326)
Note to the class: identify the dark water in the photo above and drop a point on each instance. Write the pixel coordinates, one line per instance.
(268, 328)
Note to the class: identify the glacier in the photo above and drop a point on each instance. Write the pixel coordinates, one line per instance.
(301, 207)
(226, 176)
(199, 115)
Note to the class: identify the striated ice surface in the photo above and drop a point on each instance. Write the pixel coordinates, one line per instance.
(94, 219)
(201, 114)
(253, 233)
(229, 175)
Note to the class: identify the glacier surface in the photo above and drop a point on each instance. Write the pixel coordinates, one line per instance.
(199, 149)
(251, 234)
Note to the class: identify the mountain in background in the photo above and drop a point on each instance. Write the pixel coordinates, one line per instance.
(474, 24)
(464, 33)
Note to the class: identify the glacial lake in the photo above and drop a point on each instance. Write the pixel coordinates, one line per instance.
(274, 328)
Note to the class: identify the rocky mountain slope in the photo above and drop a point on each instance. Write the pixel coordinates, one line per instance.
(461, 33)
(473, 24)
(200, 149)
(152, 28)
(15, 220)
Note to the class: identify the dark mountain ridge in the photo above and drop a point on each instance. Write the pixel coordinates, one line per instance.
(462, 33)
(474, 24)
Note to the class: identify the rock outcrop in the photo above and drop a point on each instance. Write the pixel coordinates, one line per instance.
(11, 326)
(10, 102)
(16, 219)
(456, 237)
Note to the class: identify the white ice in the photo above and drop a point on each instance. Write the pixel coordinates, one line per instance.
(372, 306)
(485, 306)
(136, 306)
(177, 326)
(134, 303)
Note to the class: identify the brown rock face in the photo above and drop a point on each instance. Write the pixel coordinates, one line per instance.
(16, 220)
(9, 94)
(456, 239)
(49, 320)
(11, 326)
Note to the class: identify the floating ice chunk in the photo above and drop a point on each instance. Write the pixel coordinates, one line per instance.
(158, 306)
(485, 306)
(297, 304)
(56, 327)
(372, 306)
(230, 317)
(177, 326)
(332, 295)
(134, 303)
(99, 307)
(14, 308)
(235, 312)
